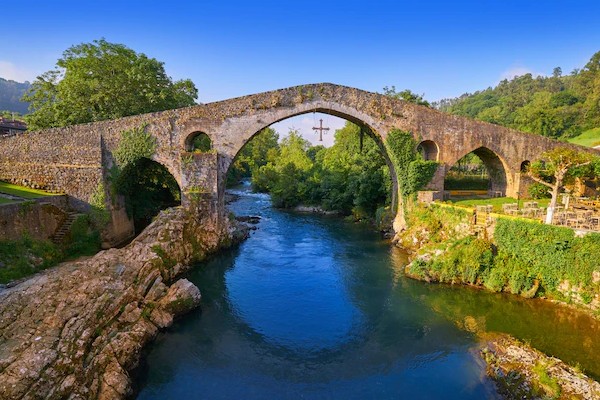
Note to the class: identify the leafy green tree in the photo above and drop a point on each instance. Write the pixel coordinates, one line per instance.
(101, 80)
(260, 150)
(589, 84)
(293, 150)
(289, 189)
(354, 179)
(270, 157)
(557, 72)
(549, 115)
(10, 115)
(556, 167)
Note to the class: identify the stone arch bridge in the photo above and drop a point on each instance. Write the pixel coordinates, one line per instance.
(75, 159)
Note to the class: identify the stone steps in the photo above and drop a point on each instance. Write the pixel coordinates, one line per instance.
(65, 228)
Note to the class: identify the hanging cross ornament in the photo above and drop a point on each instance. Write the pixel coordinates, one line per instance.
(320, 129)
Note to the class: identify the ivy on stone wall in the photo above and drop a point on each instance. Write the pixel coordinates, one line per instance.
(135, 143)
(412, 171)
(145, 185)
(99, 213)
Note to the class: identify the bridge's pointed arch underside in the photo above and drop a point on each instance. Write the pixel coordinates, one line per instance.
(364, 121)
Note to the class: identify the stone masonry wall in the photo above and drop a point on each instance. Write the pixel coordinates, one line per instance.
(38, 219)
(63, 160)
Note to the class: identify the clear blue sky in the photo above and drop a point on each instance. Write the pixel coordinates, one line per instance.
(228, 48)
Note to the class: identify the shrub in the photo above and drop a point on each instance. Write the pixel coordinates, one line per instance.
(538, 191)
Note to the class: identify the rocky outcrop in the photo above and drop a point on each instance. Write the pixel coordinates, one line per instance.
(521, 372)
(76, 330)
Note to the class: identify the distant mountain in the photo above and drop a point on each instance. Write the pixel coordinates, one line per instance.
(10, 95)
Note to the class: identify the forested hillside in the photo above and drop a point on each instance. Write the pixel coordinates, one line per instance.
(558, 106)
(10, 95)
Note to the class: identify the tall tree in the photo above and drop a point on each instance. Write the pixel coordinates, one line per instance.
(101, 80)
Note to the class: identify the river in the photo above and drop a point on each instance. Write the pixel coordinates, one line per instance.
(317, 307)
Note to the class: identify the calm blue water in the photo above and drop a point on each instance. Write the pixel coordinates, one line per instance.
(317, 308)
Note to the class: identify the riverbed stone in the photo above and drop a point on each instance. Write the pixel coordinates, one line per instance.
(182, 297)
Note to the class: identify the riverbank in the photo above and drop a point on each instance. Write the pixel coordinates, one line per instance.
(513, 255)
(521, 372)
(75, 331)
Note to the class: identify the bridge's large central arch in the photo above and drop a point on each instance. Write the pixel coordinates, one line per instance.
(333, 109)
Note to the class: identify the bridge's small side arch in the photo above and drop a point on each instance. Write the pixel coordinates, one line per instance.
(500, 180)
(147, 187)
(523, 181)
(198, 141)
(429, 150)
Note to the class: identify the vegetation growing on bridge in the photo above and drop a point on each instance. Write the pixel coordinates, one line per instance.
(99, 212)
(135, 143)
(413, 172)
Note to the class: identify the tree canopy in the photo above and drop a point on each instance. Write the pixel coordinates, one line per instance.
(263, 148)
(102, 80)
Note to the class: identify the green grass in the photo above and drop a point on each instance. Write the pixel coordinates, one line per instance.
(496, 202)
(589, 138)
(26, 256)
(22, 191)
(550, 386)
